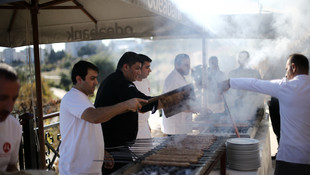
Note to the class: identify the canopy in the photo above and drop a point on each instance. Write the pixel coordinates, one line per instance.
(68, 21)
(35, 22)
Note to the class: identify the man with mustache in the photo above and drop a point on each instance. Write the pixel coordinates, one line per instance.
(10, 129)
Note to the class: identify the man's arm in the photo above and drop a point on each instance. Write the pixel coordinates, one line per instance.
(104, 114)
(223, 85)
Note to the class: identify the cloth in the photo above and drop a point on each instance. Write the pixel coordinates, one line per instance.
(144, 131)
(81, 141)
(274, 112)
(285, 168)
(10, 137)
(180, 123)
(294, 102)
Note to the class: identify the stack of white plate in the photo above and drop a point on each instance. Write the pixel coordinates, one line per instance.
(243, 153)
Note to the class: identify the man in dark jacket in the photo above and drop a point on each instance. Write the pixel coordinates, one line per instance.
(121, 131)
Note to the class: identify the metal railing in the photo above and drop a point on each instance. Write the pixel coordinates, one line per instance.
(29, 149)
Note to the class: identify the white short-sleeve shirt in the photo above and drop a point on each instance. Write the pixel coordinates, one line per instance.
(82, 142)
(10, 137)
(144, 86)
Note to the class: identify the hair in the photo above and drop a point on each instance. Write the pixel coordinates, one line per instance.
(81, 69)
(8, 72)
(300, 61)
(179, 58)
(129, 58)
(144, 58)
(213, 58)
(245, 52)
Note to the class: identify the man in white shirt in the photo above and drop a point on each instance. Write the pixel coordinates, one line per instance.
(10, 129)
(82, 146)
(144, 86)
(180, 123)
(214, 75)
(238, 100)
(293, 93)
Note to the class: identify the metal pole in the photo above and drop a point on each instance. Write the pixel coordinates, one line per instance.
(204, 71)
(35, 34)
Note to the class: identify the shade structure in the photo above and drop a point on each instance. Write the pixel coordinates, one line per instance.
(82, 20)
(34, 22)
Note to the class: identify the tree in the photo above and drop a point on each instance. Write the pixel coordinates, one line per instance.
(89, 49)
(53, 57)
(65, 81)
(104, 64)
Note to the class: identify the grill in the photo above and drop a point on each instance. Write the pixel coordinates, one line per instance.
(219, 124)
(216, 127)
(210, 156)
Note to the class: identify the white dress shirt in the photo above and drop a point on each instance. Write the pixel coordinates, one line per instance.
(294, 100)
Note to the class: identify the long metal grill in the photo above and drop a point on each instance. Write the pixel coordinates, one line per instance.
(147, 164)
(220, 125)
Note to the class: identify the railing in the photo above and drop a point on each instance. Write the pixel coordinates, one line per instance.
(29, 152)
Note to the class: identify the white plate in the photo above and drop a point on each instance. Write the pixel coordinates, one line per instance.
(242, 141)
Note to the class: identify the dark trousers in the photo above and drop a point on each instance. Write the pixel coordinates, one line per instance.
(286, 168)
(122, 156)
(274, 111)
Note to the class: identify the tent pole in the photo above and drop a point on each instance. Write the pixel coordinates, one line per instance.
(204, 71)
(39, 111)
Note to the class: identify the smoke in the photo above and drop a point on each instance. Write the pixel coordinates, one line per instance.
(269, 30)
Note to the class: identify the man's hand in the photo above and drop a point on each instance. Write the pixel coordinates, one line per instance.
(134, 104)
(223, 86)
(108, 160)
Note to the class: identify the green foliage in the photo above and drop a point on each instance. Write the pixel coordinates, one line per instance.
(48, 67)
(54, 57)
(27, 96)
(65, 81)
(104, 63)
(23, 77)
(89, 49)
(67, 62)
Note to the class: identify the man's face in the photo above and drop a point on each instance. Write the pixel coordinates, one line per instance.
(145, 70)
(8, 95)
(243, 59)
(132, 72)
(89, 84)
(290, 71)
(213, 63)
(185, 67)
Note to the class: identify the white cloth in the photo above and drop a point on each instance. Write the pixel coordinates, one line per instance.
(81, 141)
(144, 131)
(180, 123)
(10, 137)
(294, 101)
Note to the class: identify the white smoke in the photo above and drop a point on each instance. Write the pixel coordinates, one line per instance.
(269, 30)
